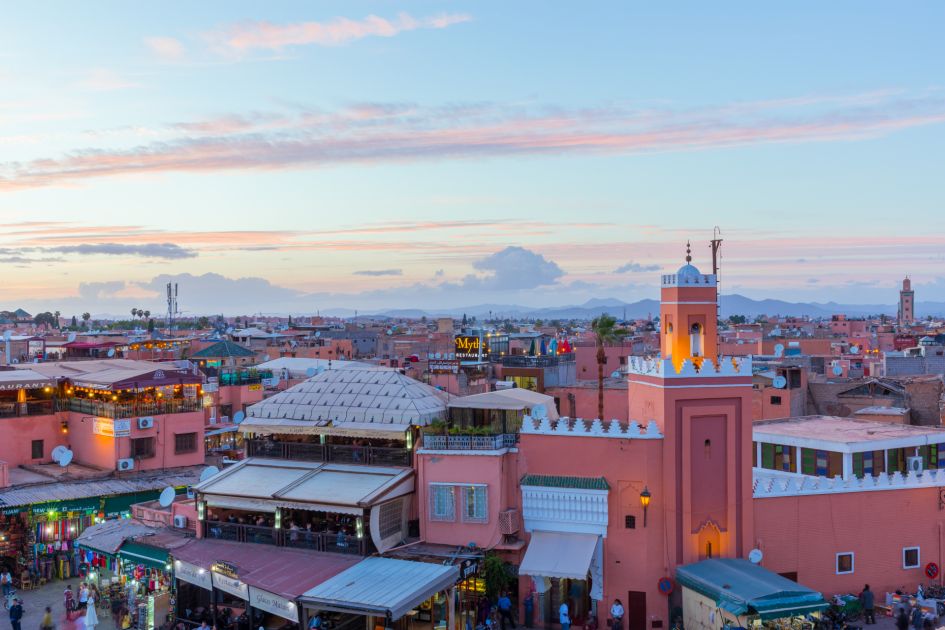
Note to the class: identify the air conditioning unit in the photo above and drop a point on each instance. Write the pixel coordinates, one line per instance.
(126, 464)
(508, 522)
(146, 423)
(180, 521)
(915, 464)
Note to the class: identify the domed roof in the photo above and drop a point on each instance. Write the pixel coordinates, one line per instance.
(377, 395)
(688, 272)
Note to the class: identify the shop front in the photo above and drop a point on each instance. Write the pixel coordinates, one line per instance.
(53, 528)
(194, 594)
(733, 592)
(148, 582)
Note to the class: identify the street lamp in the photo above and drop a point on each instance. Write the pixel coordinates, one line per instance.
(645, 502)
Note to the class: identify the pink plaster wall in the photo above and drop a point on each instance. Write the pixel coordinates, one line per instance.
(616, 403)
(17, 434)
(585, 359)
(804, 534)
(493, 470)
(104, 452)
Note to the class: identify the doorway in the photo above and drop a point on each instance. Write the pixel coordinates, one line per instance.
(636, 610)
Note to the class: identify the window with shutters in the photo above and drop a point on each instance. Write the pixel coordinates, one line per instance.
(442, 502)
(185, 443)
(475, 504)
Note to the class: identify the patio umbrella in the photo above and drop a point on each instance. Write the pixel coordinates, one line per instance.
(531, 349)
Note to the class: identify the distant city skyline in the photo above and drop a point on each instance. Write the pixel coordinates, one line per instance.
(370, 155)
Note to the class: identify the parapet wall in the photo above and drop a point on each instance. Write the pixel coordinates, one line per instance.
(771, 483)
(664, 368)
(579, 427)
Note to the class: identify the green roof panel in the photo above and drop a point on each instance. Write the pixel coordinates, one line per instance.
(562, 481)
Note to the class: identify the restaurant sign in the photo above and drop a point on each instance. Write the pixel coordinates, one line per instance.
(111, 428)
(264, 600)
(228, 569)
(193, 574)
(229, 585)
(443, 366)
(468, 347)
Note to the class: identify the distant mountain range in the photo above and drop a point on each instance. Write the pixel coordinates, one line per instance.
(731, 305)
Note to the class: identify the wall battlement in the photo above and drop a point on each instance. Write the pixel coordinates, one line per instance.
(579, 427)
(771, 483)
(664, 368)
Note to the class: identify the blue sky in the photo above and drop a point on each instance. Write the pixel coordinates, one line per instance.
(381, 154)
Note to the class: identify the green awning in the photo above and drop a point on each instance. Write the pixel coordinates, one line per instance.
(143, 554)
(743, 588)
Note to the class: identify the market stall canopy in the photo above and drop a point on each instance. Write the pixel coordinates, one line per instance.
(381, 586)
(114, 374)
(24, 379)
(375, 395)
(340, 488)
(559, 555)
(287, 573)
(516, 398)
(744, 588)
(108, 537)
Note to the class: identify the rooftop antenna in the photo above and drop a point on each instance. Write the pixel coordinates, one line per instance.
(716, 244)
(171, 304)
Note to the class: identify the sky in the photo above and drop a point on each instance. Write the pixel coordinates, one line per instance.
(294, 157)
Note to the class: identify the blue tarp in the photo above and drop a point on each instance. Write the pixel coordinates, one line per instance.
(743, 588)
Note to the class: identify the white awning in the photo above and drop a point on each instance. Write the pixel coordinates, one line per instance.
(556, 555)
(378, 586)
(239, 503)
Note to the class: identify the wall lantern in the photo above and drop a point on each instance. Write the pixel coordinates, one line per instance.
(645, 502)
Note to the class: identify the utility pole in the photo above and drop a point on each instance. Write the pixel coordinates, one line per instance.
(716, 269)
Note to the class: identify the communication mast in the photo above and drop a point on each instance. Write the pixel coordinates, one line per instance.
(171, 304)
(716, 270)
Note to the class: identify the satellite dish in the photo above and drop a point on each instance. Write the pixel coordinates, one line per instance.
(310, 372)
(539, 412)
(615, 374)
(208, 472)
(779, 350)
(111, 352)
(265, 358)
(837, 370)
(780, 382)
(65, 458)
(6, 335)
(854, 349)
(71, 337)
(755, 556)
(238, 417)
(167, 496)
(274, 380)
(58, 451)
(318, 334)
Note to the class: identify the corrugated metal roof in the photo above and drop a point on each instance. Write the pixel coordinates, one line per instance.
(560, 481)
(383, 584)
(66, 490)
(107, 537)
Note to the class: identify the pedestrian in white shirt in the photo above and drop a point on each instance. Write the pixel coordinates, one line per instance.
(616, 613)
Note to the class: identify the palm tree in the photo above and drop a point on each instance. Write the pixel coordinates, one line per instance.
(146, 314)
(134, 313)
(605, 332)
(85, 318)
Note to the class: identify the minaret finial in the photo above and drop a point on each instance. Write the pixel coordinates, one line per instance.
(688, 252)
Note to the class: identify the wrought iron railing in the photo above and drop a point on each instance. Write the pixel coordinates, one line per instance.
(470, 442)
(130, 409)
(296, 538)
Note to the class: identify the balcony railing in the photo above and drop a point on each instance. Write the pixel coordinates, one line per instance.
(131, 409)
(30, 408)
(340, 453)
(520, 360)
(470, 442)
(296, 538)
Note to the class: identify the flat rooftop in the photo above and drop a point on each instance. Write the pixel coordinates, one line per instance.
(879, 410)
(846, 435)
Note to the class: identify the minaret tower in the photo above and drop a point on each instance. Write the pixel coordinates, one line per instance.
(702, 405)
(906, 303)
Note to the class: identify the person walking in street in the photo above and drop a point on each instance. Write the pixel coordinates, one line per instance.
(69, 601)
(902, 619)
(16, 614)
(563, 617)
(6, 582)
(616, 613)
(917, 617)
(47, 622)
(868, 601)
(505, 610)
(91, 615)
(83, 597)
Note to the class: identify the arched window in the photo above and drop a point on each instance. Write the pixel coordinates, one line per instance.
(695, 339)
(707, 447)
